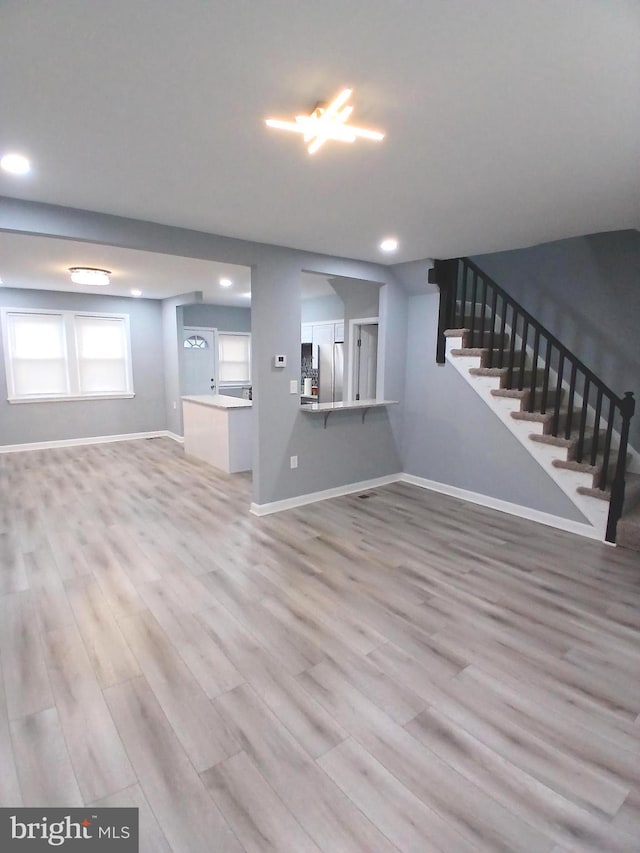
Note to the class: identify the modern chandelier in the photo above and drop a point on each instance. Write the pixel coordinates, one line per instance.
(327, 122)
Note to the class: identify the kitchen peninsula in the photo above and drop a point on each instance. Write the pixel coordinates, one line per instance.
(219, 430)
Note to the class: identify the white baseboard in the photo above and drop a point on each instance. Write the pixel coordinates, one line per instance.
(313, 497)
(443, 488)
(504, 506)
(94, 439)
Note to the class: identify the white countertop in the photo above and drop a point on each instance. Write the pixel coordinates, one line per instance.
(219, 401)
(345, 406)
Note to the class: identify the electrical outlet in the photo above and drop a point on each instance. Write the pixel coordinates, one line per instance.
(293, 386)
(293, 461)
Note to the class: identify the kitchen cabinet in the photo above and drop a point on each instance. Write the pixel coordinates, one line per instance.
(306, 333)
(338, 332)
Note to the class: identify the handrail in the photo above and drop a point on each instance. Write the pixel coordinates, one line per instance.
(457, 292)
(543, 331)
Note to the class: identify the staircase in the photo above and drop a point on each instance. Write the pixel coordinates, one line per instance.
(562, 414)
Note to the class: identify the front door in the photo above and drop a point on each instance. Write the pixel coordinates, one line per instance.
(198, 361)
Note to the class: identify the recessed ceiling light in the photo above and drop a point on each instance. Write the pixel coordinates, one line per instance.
(136, 292)
(327, 121)
(16, 164)
(89, 275)
(225, 282)
(389, 244)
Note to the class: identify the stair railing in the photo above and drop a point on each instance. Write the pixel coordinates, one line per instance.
(466, 296)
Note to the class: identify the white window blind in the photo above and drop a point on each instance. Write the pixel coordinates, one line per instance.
(37, 363)
(101, 348)
(234, 358)
(64, 355)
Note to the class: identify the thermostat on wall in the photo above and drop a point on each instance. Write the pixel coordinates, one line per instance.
(279, 361)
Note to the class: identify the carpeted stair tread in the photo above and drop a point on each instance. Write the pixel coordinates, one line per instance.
(571, 444)
(537, 417)
(585, 467)
(574, 465)
(602, 494)
(456, 333)
(484, 354)
(631, 496)
(481, 351)
(489, 371)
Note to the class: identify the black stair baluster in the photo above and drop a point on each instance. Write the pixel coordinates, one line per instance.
(572, 392)
(503, 331)
(523, 354)
(463, 300)
(604, 477)
(512, 346)
(583, 418)
(556, 412)
(474, 294)
(534, 370)
(596, 428)
(483, 309)
(545, 381)
(494, 305)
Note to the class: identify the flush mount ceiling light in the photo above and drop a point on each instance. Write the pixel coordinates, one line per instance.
(389, 244)
(16, 164)
(136, 292)
(327, 122)
(225, 282)
(89, 275)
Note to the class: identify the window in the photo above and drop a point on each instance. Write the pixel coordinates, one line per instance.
(234, 358)
(195, 342)
(64, 355)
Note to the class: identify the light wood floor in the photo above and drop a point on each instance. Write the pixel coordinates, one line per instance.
(402, 672)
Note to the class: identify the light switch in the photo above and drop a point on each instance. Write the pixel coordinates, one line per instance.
(293, 461)
(279, 361)
(293, 386)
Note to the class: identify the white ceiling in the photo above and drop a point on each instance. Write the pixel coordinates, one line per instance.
(508, 123)
(43, 263)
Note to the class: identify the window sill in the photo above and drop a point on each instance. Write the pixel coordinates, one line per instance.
(80, 398)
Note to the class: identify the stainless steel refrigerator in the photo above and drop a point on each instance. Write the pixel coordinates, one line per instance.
(330, 373)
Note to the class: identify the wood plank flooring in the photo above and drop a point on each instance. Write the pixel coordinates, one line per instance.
(401, 673)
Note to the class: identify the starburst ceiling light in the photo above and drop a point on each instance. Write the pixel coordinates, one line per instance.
(327, 122)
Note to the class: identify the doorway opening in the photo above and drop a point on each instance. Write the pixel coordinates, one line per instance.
(363, 376)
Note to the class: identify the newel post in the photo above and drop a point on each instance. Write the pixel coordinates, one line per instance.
(627, 408)
(445, 275)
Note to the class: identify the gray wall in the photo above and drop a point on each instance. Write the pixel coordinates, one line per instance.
(586, 291)
(347, 451)
(225, 318)
(451, 435)
(28, 422)
(320, 309)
